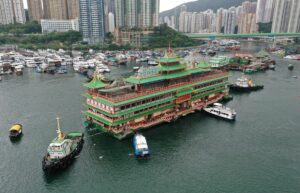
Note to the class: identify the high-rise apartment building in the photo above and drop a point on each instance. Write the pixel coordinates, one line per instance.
(219, 18)
(73, 9)
(12, 11)
(119, 13)
(35, 10)
(281, 18)
(230, 21)
(294, 21)
(6, 12)
(46, 9)
(92, 20)
(246, 18)
(136, 13)
(155, 12)
(131, 14)
(145, 13)
(111, 22)
(264, 11)
(58, 9)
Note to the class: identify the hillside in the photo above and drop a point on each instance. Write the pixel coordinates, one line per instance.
(202, 5)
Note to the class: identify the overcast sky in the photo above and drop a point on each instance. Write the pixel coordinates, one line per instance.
(164, 4)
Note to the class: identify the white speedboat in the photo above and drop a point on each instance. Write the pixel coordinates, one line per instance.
(221, 111)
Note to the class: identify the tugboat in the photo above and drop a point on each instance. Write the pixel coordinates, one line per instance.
(245, 85)
(15, 131)
(221, 111)
(62, 150)
(140, 146)
(291, 67)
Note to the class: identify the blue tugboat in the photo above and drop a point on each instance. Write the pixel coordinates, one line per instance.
(140, 146)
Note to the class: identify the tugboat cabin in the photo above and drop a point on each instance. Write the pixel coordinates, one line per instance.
(59, 148)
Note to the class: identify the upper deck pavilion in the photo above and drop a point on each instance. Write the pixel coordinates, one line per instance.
(169, 75)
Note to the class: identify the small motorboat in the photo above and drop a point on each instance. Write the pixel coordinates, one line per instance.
(15, 131)
(272, 67)
(140, 145)
(244, 84)
(221, 111)
(291, 67)
(62, 150)
(19, 70)
(136, 68)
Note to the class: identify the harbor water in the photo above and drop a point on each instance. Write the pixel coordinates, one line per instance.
(259, 153)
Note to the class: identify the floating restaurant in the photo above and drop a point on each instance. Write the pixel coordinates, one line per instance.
(152, 96)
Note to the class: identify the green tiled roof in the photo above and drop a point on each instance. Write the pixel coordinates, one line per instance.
(168, 60)
(95, 84)
(138, 80)
(176, 75)
(184, 92)
(210, 87)
(203, 65)
(197, 70)
(173, 67)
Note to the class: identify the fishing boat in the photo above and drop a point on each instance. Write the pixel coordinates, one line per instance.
(136, 68)
(62, 70)
(19, 70)
(15, 131)
(221, 111)
(272, 67)
(244, 84)
(291, 67)
(140, 146)
(62, 150)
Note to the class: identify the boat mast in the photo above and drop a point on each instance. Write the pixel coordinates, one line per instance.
(60, 134)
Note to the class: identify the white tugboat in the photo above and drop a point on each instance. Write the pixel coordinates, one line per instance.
(62, 150)
(221, 111)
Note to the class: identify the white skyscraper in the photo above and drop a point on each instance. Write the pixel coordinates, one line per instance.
(281, 18)
(131, 15)
(92, 21)
(294, 22)
(219, 19)
(119, 13)
(12, 11)
(264, 11)
(145, 18)
(111, 22)
(230, 21)
(155, 13)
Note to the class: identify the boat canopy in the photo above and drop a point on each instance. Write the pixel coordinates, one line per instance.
(16, 127)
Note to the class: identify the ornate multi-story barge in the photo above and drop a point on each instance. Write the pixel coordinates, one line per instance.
(152, 96)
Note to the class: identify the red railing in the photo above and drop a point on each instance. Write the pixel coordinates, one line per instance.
(150, 91)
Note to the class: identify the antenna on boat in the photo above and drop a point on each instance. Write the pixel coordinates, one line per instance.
(58, 125)
(60, 134)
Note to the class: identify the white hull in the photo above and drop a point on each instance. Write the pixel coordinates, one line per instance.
(219, 114)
